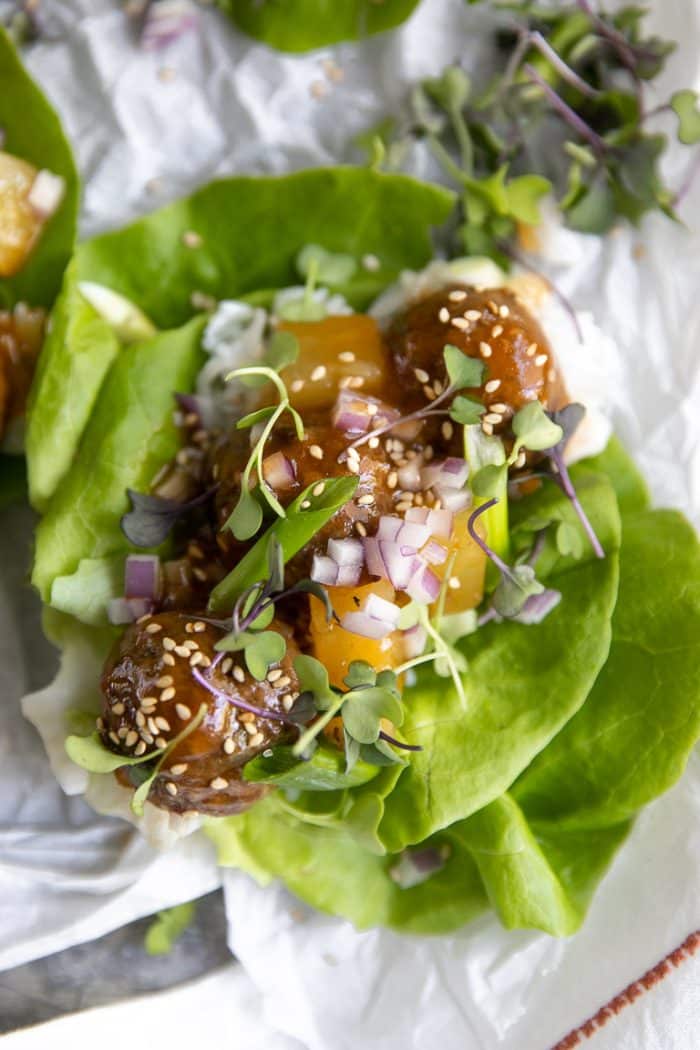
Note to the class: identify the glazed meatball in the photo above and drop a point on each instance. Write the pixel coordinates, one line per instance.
(493, 326)
(159, 674)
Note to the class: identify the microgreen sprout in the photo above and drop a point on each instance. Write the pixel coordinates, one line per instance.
(448, 661)
(151, 518)
(246, 517)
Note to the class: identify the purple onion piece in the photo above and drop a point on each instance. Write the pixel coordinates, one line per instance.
(415, 866)
(538, 606)
(142, 578)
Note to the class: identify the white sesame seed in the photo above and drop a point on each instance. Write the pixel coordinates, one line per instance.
(460, 323)
(226, 665)
(421, 375)
(457, 296)
(198, 627)
(131, 738)
(146, 736)
(493, 417)
(283, 682)
(196, 658)
(485, 350)
(164, 681)
(498, 406)
(492, 386)
(161, 743)
(256, 741)
(316, 451)
(218, 783)
(454, 583)
(318, 490)
(360, 529)
(199, 574)
(168, 659)
(163, 723)
(487, 428)
(541, 360)
(521, 460)
(250, 727)
(239, 673)
(392, 479)
(403, 506)
(443, 314)
(373, 442)
(118, 709)
(429, 393)
(99, 722)
(273, 675)
(149, 701)
(183, 651)
(365, 501)
(318, 373)
(183, 712)
(472, 315)
(296, 385)
(447, 430)
(305, 504)
(179, 769)
(171, 788)
(347, 357)
(122, 732)
(169, 644)
(153, 628)
(167, 694)
(353, 467)
(531, 350)
(288, 702)
(503, 311)
(190, 644)
(497, 330)
(140, 748)
(229, 745)
(140, 719)
(114, 738)
(152, 726)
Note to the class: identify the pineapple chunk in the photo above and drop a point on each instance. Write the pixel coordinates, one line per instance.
(467, 569)
(28, 198)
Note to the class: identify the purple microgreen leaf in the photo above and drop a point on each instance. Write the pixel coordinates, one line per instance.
(151, 518)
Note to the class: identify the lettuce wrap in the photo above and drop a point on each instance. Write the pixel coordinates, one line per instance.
(518, 798)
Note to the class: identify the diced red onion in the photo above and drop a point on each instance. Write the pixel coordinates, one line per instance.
(424, 585)
(373, 557)
(434, 553)
(410, 476)
(381, 609)
(414, 640)
(537, 606)
(413, 534)
(278, 471)
(348, 575)
(46, 193)
(364, 625)
(346, 552)
(417, 865)
(389, 527)
(324, 570)
(142, 577)
(453, 499)
(441, 523)
(418, 514)
(452, 473)
(351, 412)
(398, 567)
(128, 610)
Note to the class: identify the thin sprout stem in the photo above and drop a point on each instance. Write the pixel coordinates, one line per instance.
(315, 728)
(497, 561)
(445, 160)
(444, 651)
(563, 69)
(420, 413)
(236, 701)
(564, 481)
(415, 662)
(566, 112)
(464, 140)
(398, 743)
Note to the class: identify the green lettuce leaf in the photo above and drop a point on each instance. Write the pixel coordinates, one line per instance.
(33, 132)
(301, 25)
(251, 230)
(130, 434)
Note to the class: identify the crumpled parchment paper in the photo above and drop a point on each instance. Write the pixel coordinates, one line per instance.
(147, 128)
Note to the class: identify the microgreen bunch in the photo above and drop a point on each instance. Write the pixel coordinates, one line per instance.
(246, 517)
(565, 111)
(370, 697)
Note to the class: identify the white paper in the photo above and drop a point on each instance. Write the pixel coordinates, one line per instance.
(149, 127)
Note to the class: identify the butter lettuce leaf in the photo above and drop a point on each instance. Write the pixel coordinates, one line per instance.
(33, 132)
(301, 25)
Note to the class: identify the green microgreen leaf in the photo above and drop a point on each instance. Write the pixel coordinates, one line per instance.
(282, 350)
(264, 649)
(524, 194)
(90, 753)
(569, 540)
(685, 105)
(360, 674)
(466, 411)
(259, 416)
(332, 268)
(488, 481)
(463, 371)
(363, 710)
(450, 90)
(313, 678)
(246, 517)
(325, 770)
(534, 429)
(167, 927)
(514, 590)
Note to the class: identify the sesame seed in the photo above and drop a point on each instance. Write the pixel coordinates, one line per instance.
(247, 716)
(167, 694)
(318, 490)
(531, 350)
(370, 262)
(153, 628)
(164, 681)
(146, 736)
(140, 748)
(421, 375)
(392, 479)
(239, 673)
(503, 311)
(454, 583)
(171, 788)
(541, 360)
(403, 506)
(457, 296)
(346, 356)
(288, 702)
(497, 330)
(365, 501)
(316, 451)
(183, 712)
(521, 459)
(229, 745)
(168, 659)
(493, 417)
(199, 574)
(283, 682)
(273, 675)
(191, 239)
(99, 722)
(163, 723)
(182, 650)
(373, 442)
(492, 306)
(161, 743)
(169, 644)
(122, 732)
(144, 618)
(149, 701)
(179, 769)
(250, 727)
(429, 393)
(460, 323)
(113, 737)
(487, 428)
(218, 783)
(472, 315)
(131, 738)
(140, 719)
(498, 406)
(118, 709)
(296, 385)
(152, 726)
(437, 387)
(492, 386)
(360, 529)
(191, 645)
(198, 627)
(256, 741)
(485, 350)
(305, 504)
(318, 373)
(447, 430)
(196, 658)
(443, 314)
